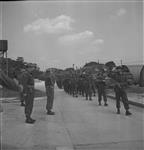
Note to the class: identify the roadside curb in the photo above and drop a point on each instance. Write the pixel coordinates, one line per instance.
(7, 99)
(130, 102)
(16, 99)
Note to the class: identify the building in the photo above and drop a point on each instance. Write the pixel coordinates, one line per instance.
(138, 73)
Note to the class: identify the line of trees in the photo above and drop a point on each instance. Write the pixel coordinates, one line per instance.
(12, 67)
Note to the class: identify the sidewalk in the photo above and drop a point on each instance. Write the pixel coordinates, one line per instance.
(136, 99)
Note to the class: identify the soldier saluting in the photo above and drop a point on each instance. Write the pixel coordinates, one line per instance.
(121, 95)
(120, 92)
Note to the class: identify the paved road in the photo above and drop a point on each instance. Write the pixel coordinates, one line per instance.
(78, 125)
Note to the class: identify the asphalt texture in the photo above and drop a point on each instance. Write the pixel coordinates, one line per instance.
(77, 125)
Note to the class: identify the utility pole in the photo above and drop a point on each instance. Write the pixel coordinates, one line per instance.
(121, 62)
(6, 64)
(73, 66)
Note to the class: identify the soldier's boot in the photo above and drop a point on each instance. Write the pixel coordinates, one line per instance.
(22, 104)
(49, 112)
(105, 104)
(30, 120)
(99, 103)
(118, 111)
(128, 113)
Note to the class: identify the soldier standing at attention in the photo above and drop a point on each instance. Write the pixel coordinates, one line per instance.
(28, 90)
(21, 94)
(120, 94)
(49, 85)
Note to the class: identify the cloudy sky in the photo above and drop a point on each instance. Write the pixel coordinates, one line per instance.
(60, 34)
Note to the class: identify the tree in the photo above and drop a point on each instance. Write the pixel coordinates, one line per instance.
(110, 65)
(21, 59)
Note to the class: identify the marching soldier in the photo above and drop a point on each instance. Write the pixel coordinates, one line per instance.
(101, 86)
(49, 85)
(28, 91)
(87, 86)
(120, 94)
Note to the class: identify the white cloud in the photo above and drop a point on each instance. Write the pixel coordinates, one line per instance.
(82, 38)
(98, 41)
(76, 38)
(121, 12)
(118, 13)
(59, 24)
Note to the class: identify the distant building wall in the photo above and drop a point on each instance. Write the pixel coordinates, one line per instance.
(135, 70)
(142, 77)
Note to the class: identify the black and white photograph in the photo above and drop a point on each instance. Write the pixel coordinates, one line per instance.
(71, 75)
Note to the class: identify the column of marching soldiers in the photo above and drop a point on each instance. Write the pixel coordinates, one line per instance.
(86, 85)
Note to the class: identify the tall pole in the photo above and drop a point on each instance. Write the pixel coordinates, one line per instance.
(121, 62)
(6, 64)
(73, 66)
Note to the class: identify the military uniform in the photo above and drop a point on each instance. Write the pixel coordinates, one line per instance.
(49, 84)
(120, 94)
(28, 91)
(88, 88)
(101, 91)
(21, 94)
